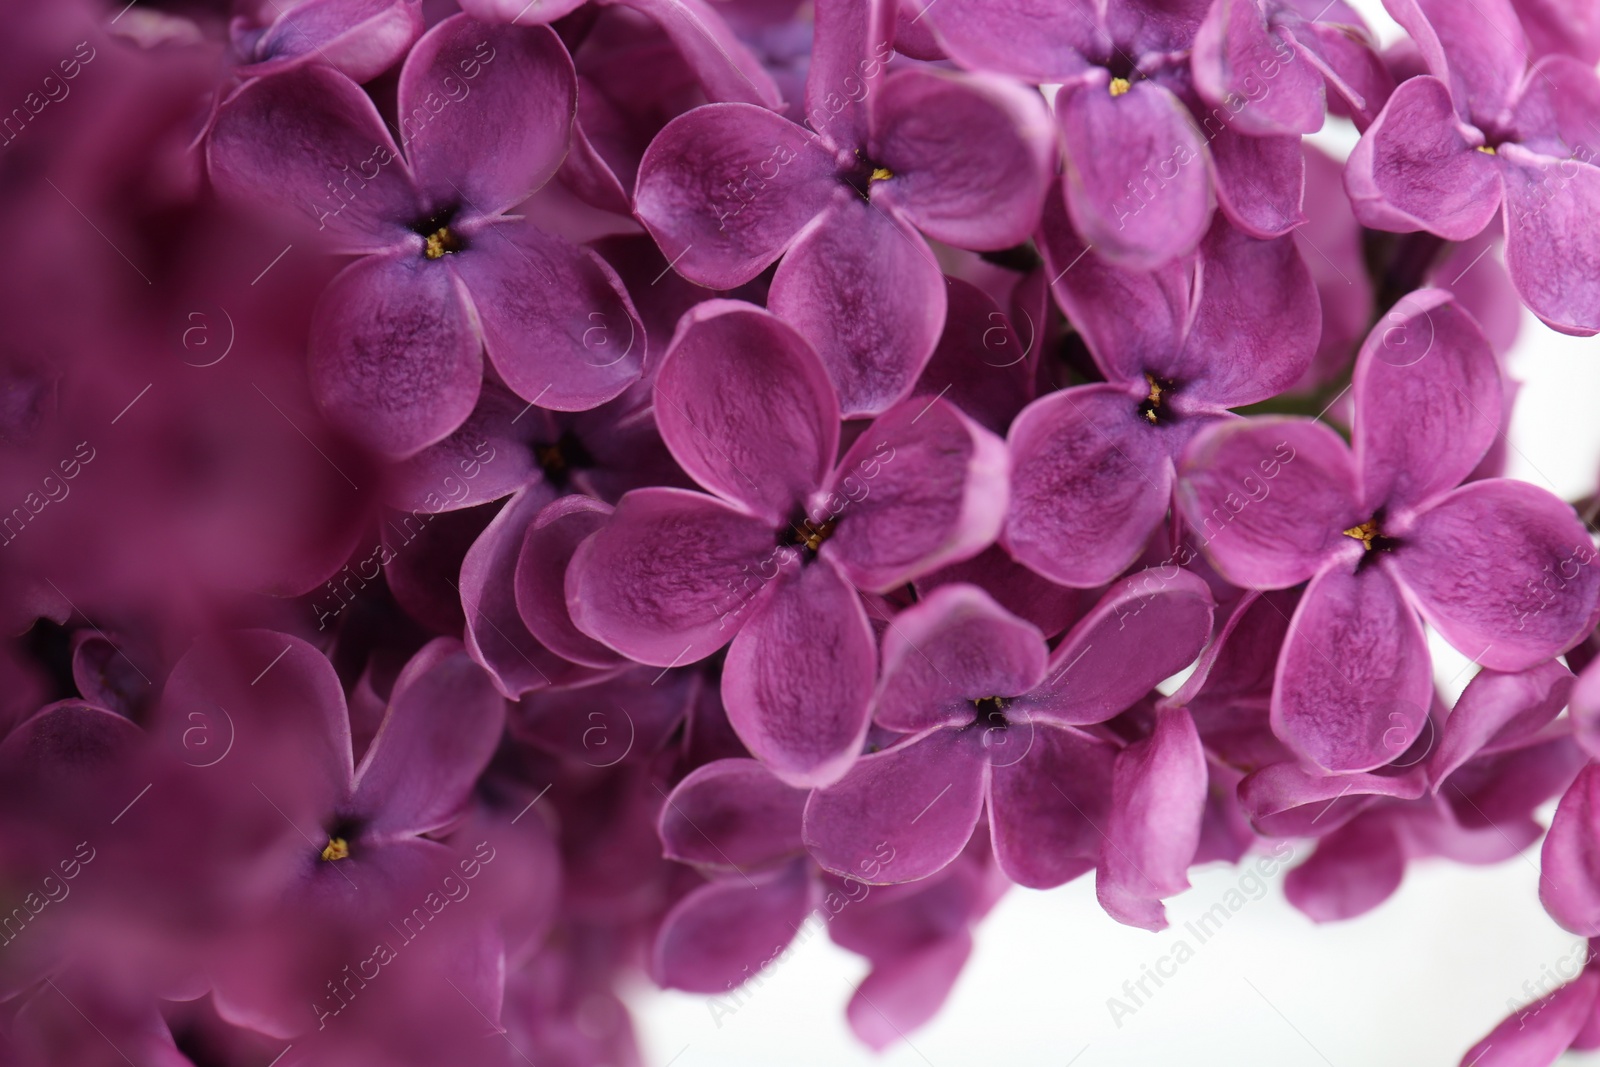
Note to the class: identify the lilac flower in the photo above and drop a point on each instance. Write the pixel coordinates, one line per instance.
(1146, 161)
(998, 721)
(1568, 27)
(359, 38)
(1500, 568)
(774, 560)
(397, 340)
(1484, 132)
(1092, 466)
(845, 200)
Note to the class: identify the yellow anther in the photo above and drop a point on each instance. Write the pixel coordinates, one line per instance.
(337, 848)
(1120, 86)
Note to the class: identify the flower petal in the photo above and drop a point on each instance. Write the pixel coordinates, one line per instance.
(1292, 799)
(725, 188)
(1352, 871)
(300, 144)
(732, 815)
(1569, 880)
(1267, 498)
(443, 724)
(541, 578)
(1047, 806)
(797, 683)
(972, 156)
(1413, 169)
(485, 112)
(851, 44)
(865, 290)
(1550, 252)
(1354, 678)
(1496, 708)
(1260, 181)
(359, 38)
(395, 359)
(1090, 481)
(1504, 571)
(667, 580)
(1481, 58)
(1032, 42)
(1158, 797)
(1537, 1034)
(557, 324)
(1239, 56)
(980, 362)
(722, 933)
(936, 496)
(724, 65)
(946, 651)
(1136, 182)
(904, 992)
(747, 408)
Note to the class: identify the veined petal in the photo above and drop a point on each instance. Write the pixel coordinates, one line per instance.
(1551, 250)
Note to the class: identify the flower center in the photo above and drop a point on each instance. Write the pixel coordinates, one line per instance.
(1488, 149)
(1150, 406)
(560, 458)
(441, 242)
(337, 848)
(863, 172)
(991, 712)
(1371, 536)
(809, 534)
(1119, 86)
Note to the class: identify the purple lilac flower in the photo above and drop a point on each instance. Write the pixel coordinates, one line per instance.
(359, 38)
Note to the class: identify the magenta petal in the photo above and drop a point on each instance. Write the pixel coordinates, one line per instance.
(1260, 182)
(1585, 709)
(1267, 498)
(971, 156)
(67, 746)
(1495, 708)
(746, 407)
(1238, 56)
(1354, 678)
(916, 804)
(557, 324)
(863, 287)
(1569, 883)
(732, 815)
(302, 143)
(520, 11)
(946, 651)
(1427, 399)
(1136, 182)
(1047, 807)
(1504, 571)
(1033, 42)
(1352, 871)
(394, 355)
(541, 578)
(903, 992)
(1537, 1034)
(1481, 58)
(495, 634)
(723, 64)
(722, 933)
(851, 43)
(443, 723)
(359, 38)
(484, 459)
(1145, 628)
(1551, 251)
(923, 486)
(798, 679)
(485, 111)
(1090, 482)
(1050, 607)
(981, 363)
(1290, 799)
(1158, 796)
(1414, 170)
(725, 188)
(668, 579)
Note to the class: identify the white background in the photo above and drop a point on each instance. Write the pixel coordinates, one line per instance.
(1413, 984)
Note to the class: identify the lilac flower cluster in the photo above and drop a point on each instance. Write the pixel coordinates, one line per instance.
(584, 490)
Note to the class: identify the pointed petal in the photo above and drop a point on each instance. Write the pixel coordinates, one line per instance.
(443, 724)
(302, 144)
(485, 111)
(1267, 497)
(972, 156)
(1158, 797)
(922, 487)
(1090, 482)
(1504, 571)
(920, 799)
(1414, 170)
(1136, 182)
(668, 580)
(951, 648)
(395, 359)
(1146, 628)
(725, 188)
(747, 408)
(1048, 806)
(863, 287)
(1354, 678)
(798, 679)
(1427, 398)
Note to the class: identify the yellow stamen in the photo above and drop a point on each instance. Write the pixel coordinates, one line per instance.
(1487, 149)
(1120, 86)
(812, 534)
(1153, 399)
(881, 174)
(1364, 533)
(337, 848)
(440, 242)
